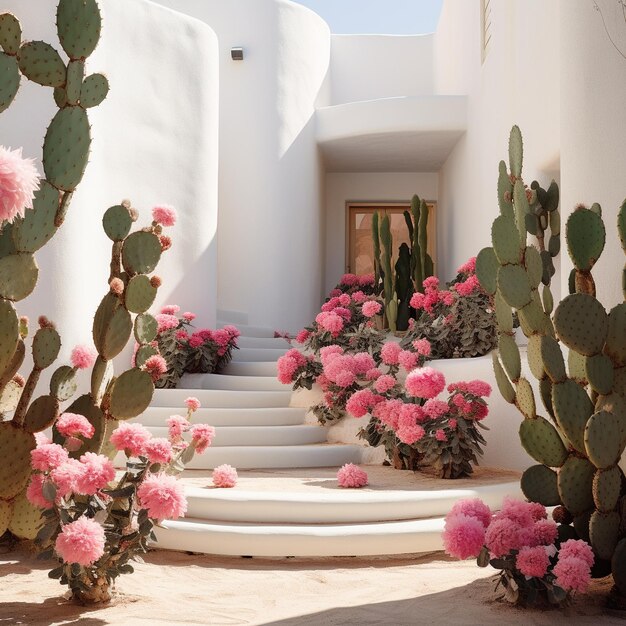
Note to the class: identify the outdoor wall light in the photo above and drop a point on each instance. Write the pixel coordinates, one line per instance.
(236, 54)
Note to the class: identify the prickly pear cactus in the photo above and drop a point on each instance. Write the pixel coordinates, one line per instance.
(65, 153)
(582, 388)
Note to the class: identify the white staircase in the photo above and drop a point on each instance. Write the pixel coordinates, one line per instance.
(287, 502)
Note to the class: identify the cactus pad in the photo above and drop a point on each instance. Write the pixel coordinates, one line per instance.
(9, 80)
(79, 24)
(141, 252)
(532, 318)
(618, 564)
(545, 391)
(542, 442)
(26, 519)
(534, 265)
(575, 482)
(101, 376)
(502, 380)
(604, 533)
(10, 397)
(572, 408)
(607, 485)
(525, 398)
(504, 315)
(599, 373)
(140, 294)
(10, 36)
(144, 353)
(18, 276)
(146, 328)
(41, 414)
(38, 227)
(505, 240)
(576, 367)
(586, 236)
(6, 509)
(112, 327)
(42, 64)
(8, 334)
(15, 447)
(74, 81)
(131, 394)
(603, 439)
(63, 383)
(581, 323)
(553, 359)
(615, 346)
(514, 286)
(510, 357)
(505, 190)
(117, 222)
(539, 484)
(46, 346)
(522, 209)
(487, 269)
(548, 300)
(516, 151)
(66, 148)
(535, 362)
(94, 90)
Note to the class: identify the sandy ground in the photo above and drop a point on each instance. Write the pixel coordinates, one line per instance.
(174, 588)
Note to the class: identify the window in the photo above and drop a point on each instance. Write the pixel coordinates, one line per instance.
(485, 28)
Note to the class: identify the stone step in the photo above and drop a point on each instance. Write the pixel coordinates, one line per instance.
(219, 398)
(280, 416)
(262, 342)
(250, 331)
(258, 368)
(259, 435)
(259, 354)
(231, 383)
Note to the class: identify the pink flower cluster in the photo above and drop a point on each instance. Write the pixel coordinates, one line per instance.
(18, 182)
(351, 476)
(431, 297)
(425, 382)
(225, 476)
(352, 280)
(344, 369)
(289, 365)
(83, 357)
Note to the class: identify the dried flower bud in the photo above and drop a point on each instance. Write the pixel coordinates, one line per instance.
(155, 281)
(23, 326)
(117, 286)
(19, 380)
(44, 322)
(562, 516)
(126, 203)
(166, 242)
(134, 214)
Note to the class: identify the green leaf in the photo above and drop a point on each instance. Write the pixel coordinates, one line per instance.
(57, 572)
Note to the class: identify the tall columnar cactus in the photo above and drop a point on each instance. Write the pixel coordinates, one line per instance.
(65, 153)
(404, 286)
(376, 245)
(422, 265)
(389, 286)
(583, 390)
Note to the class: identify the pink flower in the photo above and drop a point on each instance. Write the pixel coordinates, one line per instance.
(117, 286)
(349, 280)
(66, 476)
(358, 297)
(408, 360)
(502, 536)
(422, 347)
(48, 456)
(417, 300)
(193, 404)
(225, 476)
(440, 435)
(434, 408)
(34, 492)
(345, 378)
(170, 309)
(98, 473)
(472, 507)
(18, 182)
(188, 316)
(327, 353)
(545, 532)
(202, 436)
(164, 215)
(371, 308)
(41, 438)
(384, 383)
(331, 322)
(463, 536)
(577, 548)
(181, 335)
(177, 425)
(166, 322)
(158, 450)
(469, 267)
(163, 497)
(373, 374)
(196, 340)
(572, 574)
(410, 433)
(72, 425)
(452, 424)
(447, 297)
(431, 283)
(360, 402)
(363, 363)
(130, 439)
(519, 511)
(366, 280)
(303, 336)
(156, 366)
(81, 542)
(425, 382)
(83, 357)
(286, 369)
(532, 561)
(352, 476)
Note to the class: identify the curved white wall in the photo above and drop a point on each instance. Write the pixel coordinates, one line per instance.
(270, 222)
(154, 140)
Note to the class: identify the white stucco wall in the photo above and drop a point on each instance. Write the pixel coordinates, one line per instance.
(154, 141)
(270, 222)
(367, 67)
(593, 132)
(517, 84)
(358, 187)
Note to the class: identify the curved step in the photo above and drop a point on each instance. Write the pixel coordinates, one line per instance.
(255, 368)
(218, 398)
(259, 354)
(263, 457)
(297, 540)
(260, 435)
(262, 342)
(231, 383)
(338, 506)
(280, 416)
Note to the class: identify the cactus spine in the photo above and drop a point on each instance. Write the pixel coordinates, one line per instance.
(584, 395)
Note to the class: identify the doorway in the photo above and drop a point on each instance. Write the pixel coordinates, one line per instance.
(359, 244)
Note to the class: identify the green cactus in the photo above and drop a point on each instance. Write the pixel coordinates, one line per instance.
(389, 286)
(585, 399)
(404, 287)
(377, 258)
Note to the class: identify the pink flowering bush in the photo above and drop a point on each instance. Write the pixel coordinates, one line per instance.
(185, 350)
(458, 321)
(537, 560)
(94, 522)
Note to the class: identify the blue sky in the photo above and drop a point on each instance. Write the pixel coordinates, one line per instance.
(402, 17)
